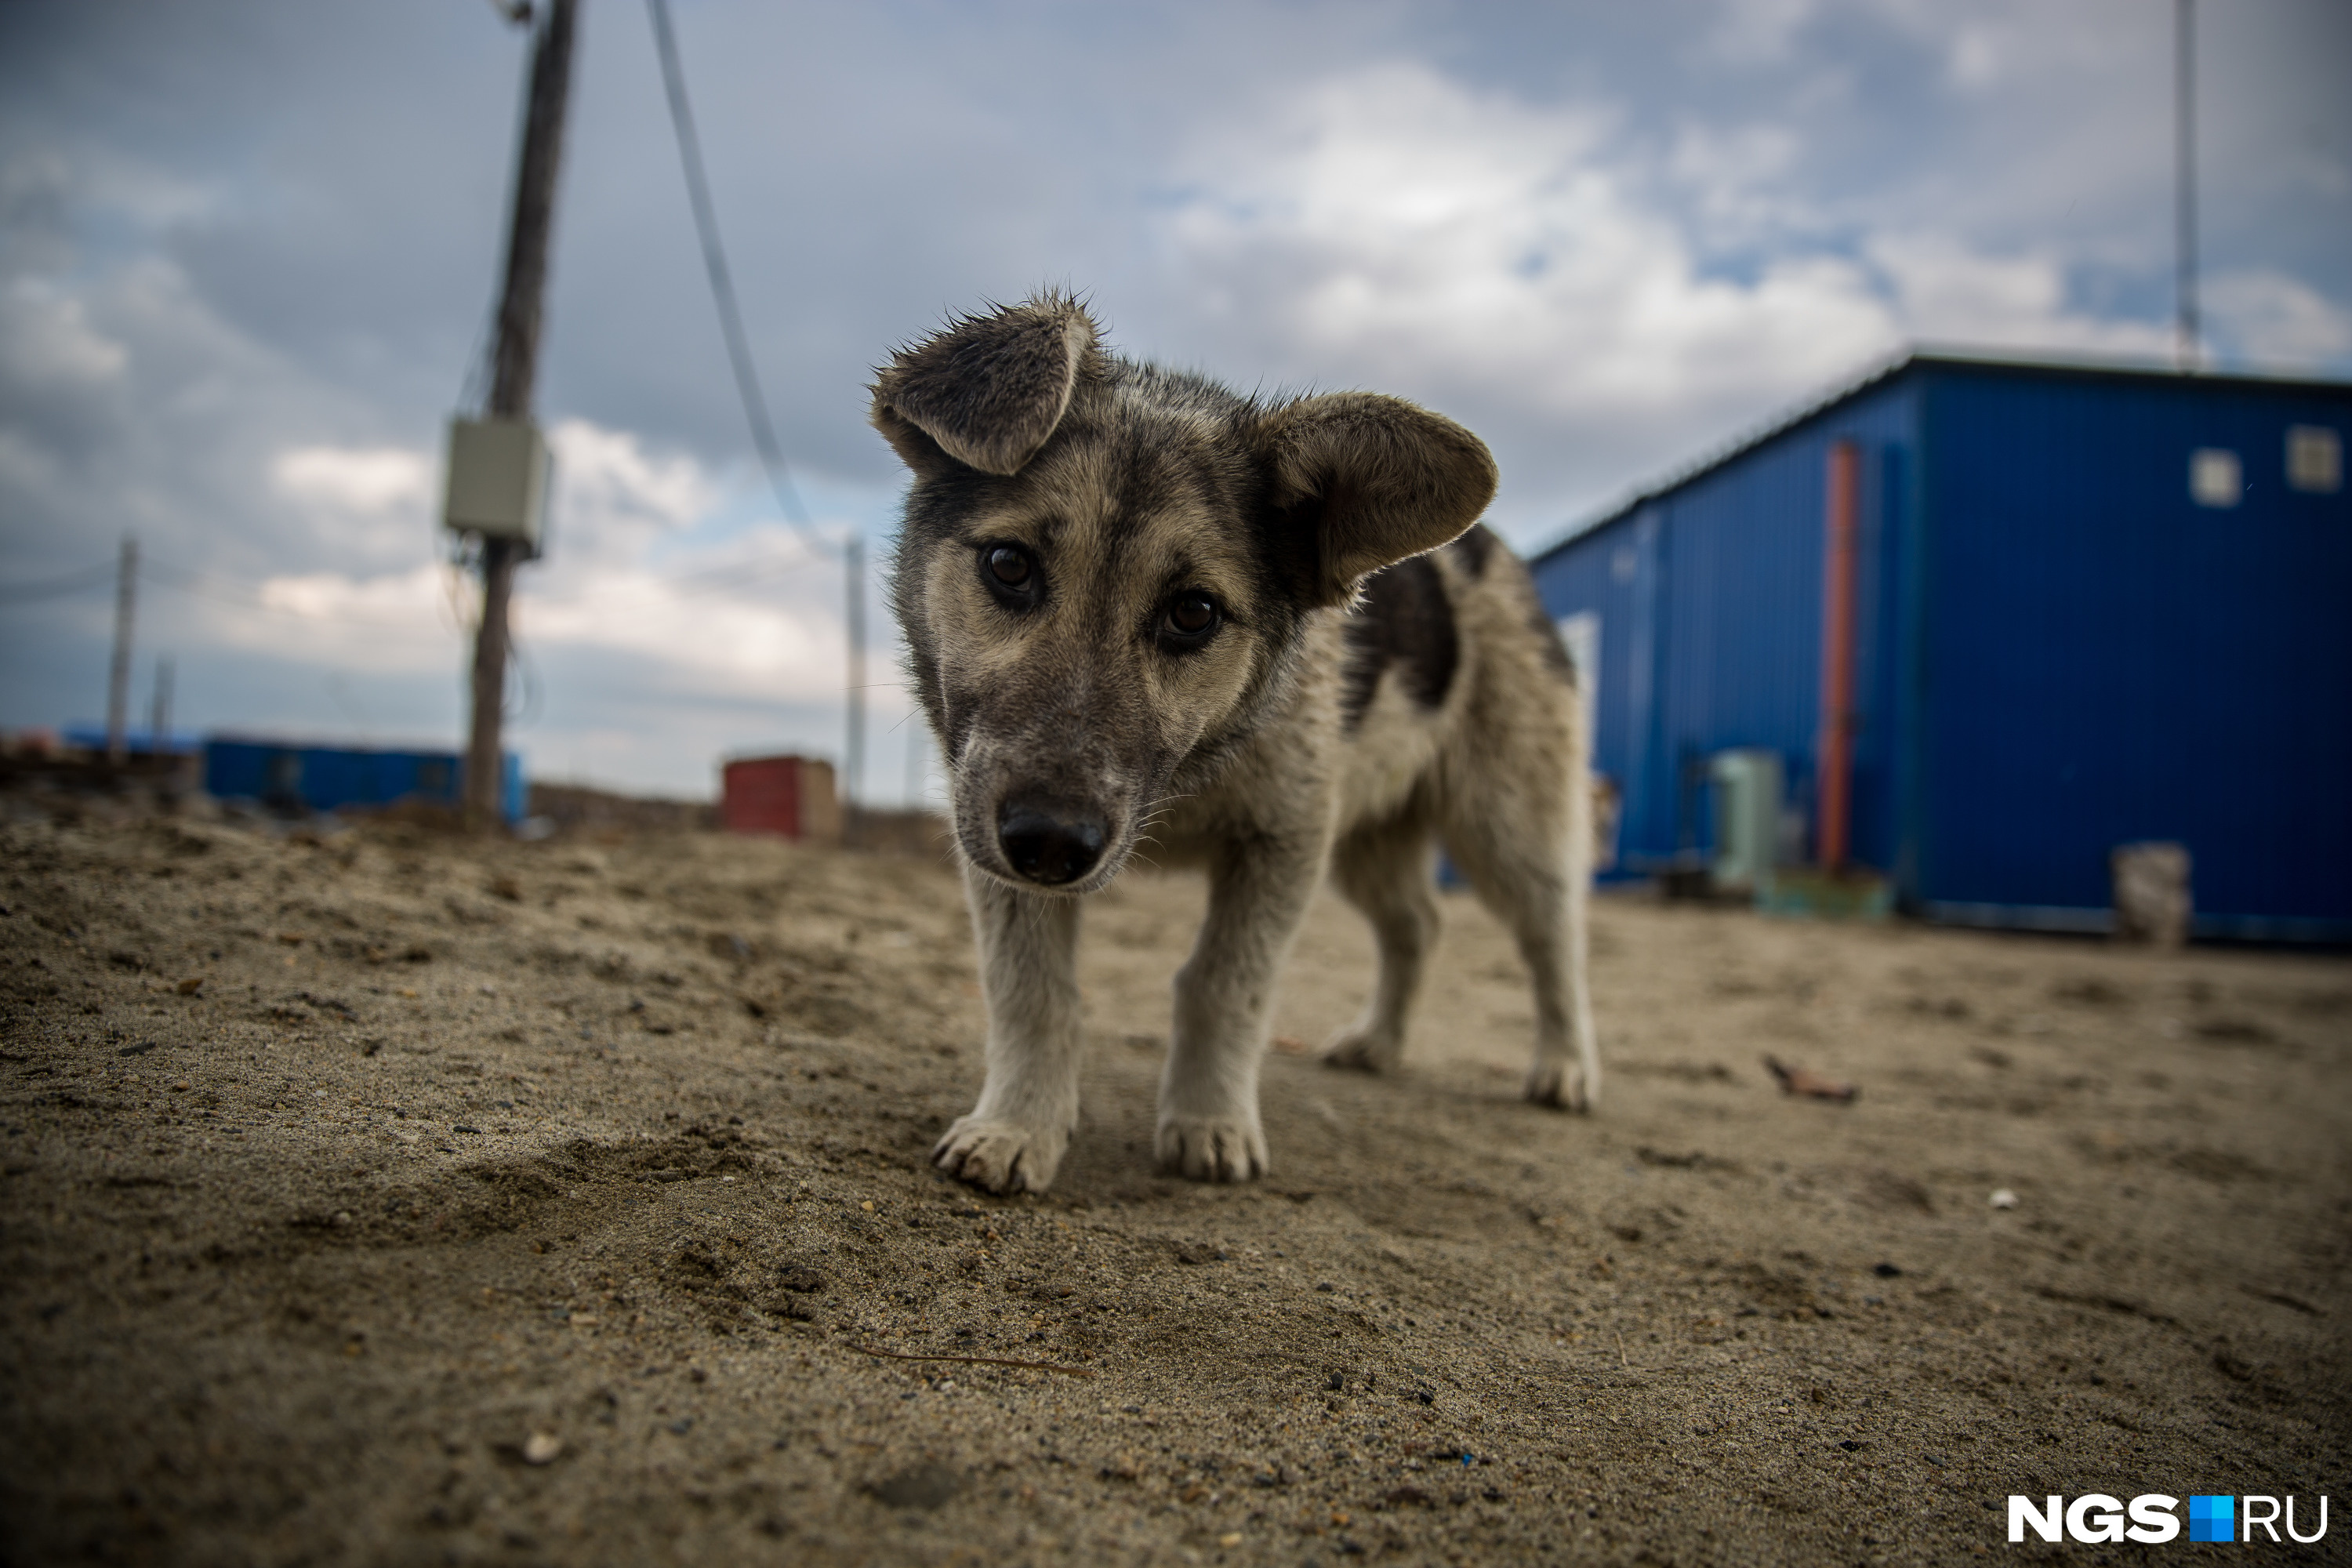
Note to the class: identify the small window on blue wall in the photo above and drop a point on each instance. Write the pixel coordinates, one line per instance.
(2315, 460)
(2214, 477)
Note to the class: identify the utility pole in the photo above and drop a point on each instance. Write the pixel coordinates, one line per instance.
(2184, 181)
(117, 675)
(159, 718)
(853, 780)
(514, 372)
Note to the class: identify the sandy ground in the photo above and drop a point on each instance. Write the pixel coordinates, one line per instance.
(377, 1197)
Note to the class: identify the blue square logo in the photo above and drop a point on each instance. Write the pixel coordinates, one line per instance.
(2212, 1519)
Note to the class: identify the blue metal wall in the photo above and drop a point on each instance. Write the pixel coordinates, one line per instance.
(330, 778)
(2058, 651)
(1710, 606)
(2105, 660)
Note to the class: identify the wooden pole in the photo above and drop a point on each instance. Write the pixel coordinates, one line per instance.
(1833, 760)
(159, 718)
(117, 675)
(852, 773)
(514, 373)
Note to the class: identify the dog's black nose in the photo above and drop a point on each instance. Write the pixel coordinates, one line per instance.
(1047, 846)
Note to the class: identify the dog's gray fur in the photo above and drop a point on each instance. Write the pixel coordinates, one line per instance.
(1375, 675)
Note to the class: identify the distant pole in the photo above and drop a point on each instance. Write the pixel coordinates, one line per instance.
(2184, 193)
(515, 371)
(159, 718)
(117, 675)
(853, 770)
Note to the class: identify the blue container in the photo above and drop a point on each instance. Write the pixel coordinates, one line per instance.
(2059, 647)
(138, 740)
(287, 776)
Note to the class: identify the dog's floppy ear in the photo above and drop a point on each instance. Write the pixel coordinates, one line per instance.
(1368, 481)
(989, 390)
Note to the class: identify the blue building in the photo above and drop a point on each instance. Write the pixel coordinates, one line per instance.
(287, 776)
(2081, 607)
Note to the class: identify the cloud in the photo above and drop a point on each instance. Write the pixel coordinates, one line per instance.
(2268, 317)
(634, 568)
(1599, 299)
(614, 500)
(402, 623)
(1406, 229)
(1418, 233)
(1758, 32)
(376, 502)
(1947, 291)
(48, 344)
(358, 479)
(242, 260)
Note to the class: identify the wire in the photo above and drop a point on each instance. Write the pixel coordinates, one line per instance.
(247, 595)
(78, 582)
(208, 586)
(524, 712)
(722, 284)
(852, 548)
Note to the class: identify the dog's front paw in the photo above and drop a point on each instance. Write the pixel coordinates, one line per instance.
(1363, 1050)
(1001, 1156)
(1561, 1083)
(1208, 1150)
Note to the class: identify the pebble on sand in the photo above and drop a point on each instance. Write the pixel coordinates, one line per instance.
(2003, 1198)
(541, 1448)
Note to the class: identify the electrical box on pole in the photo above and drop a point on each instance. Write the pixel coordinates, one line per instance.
(499, 475)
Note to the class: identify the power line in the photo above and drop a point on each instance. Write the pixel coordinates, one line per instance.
(755, 405)
(722, 282)
(250, 597)
(80, 582)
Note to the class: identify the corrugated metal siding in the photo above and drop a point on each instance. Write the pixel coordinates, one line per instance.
(1710, 606)
(2103, 660)
(1603, 574)
(295, 777)
(2059, 650)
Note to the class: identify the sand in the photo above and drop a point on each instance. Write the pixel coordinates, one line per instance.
(376, 1196)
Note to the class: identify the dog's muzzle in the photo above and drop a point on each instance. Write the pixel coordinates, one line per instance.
(1048, 843)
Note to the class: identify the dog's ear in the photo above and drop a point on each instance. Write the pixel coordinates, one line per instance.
(988, 391)
(1365, 481)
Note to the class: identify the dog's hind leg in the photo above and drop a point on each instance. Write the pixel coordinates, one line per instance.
(1258, 892)
(1520, 852)
(1015, 1138)
(1384, 871)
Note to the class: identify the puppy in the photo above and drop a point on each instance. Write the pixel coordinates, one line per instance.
(1269, 638)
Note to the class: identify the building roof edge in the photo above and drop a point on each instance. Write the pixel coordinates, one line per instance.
(1946, 356)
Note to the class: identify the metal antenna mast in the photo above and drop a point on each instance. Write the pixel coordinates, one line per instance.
(2184, 193)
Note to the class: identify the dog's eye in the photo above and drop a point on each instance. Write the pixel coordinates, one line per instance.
(1191, 617)
(1010, 566)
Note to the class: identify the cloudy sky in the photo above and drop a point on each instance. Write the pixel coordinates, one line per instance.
(246, 252)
